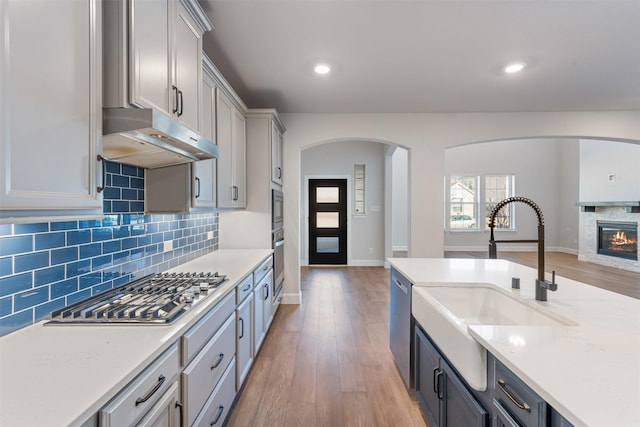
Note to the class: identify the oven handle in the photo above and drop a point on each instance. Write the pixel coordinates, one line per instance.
(279, 243)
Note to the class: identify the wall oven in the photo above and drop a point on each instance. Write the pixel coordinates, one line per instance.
(277, 241)
(276, 210)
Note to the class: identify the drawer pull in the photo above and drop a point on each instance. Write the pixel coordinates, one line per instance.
(246, 288)
(218, 415)
(151, 392)
(511, 397)
(218, 362)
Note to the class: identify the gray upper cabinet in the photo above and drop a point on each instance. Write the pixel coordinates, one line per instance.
(276, 151)
(231, 138)
(51, 109)
(153, 56)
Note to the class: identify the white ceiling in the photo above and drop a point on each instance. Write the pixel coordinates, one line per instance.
(400, 56)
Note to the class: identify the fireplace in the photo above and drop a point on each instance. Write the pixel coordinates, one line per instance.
(618, 239)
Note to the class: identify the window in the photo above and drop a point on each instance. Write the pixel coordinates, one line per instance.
(497, 188)
(358, 190)
(472, 198)
(463, 202)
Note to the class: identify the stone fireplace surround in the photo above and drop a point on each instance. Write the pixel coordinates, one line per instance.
(590, 214)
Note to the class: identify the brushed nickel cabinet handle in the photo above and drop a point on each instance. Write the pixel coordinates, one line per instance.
(511, 397)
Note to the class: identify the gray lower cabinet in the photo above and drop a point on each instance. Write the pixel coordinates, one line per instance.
(444, 398)
(217, 407)
(142, 396)
(207, 368)
(244, 340)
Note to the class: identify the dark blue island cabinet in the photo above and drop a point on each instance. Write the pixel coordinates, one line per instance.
(445, 399)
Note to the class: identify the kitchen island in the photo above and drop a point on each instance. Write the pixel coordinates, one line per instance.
(589, 371)
(62, 375)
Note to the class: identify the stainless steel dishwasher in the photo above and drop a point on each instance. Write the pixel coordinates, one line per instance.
(401, 325)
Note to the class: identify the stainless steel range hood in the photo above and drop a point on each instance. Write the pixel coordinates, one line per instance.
(147, 138)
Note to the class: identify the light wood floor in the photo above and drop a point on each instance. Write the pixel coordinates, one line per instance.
(327, 362)
(613, 279)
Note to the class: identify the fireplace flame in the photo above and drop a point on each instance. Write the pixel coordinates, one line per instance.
(620, 238)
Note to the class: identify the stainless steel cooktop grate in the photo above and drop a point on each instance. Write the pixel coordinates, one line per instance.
(153, 299)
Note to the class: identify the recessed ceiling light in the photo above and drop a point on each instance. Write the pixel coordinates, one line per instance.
(322, 69)
(514, 68)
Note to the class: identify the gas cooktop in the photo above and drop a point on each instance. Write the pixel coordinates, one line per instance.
(153, 299)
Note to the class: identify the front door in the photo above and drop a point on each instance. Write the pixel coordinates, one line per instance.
(328, 221)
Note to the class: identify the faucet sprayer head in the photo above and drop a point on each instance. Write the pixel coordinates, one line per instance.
(509, 200)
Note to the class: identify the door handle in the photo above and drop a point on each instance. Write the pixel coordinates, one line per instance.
(181, 103)
(197, 187)
(241, 328)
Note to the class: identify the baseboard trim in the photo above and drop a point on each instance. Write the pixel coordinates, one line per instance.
(295, 299)
(366, 263)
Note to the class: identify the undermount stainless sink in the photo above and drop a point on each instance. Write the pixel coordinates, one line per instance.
(446, 310)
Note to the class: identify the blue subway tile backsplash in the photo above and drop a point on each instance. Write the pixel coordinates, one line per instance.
(45, 266)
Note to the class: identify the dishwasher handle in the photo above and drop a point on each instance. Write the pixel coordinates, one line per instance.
(402, 287)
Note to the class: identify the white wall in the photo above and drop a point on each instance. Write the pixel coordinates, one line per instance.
(400, 200)
(426, 136)
(544, 169)
(366, 233)
(598, 160)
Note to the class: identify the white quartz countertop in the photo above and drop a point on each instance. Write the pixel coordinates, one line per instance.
(590, 373)
(61, 375)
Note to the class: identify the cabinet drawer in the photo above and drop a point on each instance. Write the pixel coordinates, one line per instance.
(196, 337)
(202, 375)
(132, 403)
(217, 407)
(260, 272)
(522, 403)
(244, 288)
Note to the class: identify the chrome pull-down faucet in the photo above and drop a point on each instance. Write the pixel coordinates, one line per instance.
(541, 284)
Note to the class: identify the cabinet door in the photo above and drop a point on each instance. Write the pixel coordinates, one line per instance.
(239, 135)
(266, 301)
(204, 180)
(276, 154)
(244, 340)
(429, 379)
(165, 413)
(460, 407)
(224, 119)
(188, 68)
(258, 318)
(51, 106)
(150, 54)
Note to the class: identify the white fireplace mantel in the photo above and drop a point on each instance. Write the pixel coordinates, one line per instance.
(632, 207)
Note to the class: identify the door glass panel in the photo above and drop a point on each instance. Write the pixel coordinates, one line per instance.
(327, 195)
(327, 245)
(327, 219)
